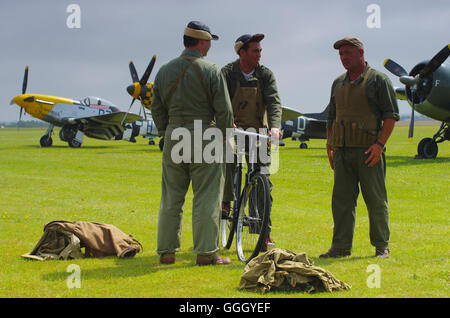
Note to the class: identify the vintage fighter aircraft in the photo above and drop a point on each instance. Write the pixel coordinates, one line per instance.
(304, 127)
(427, 90)
(93, 116)
(143, 91)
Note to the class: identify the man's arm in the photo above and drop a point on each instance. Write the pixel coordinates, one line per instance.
(376, 149)
(273, 104)
(331, 116)
(159, 111)
(221, 101)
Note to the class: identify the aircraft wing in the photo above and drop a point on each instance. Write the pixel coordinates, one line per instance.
(289, 113)
(105, 126)
(400, 93)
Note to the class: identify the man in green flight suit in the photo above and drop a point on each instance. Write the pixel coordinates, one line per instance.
(361, 116)
(256, 104)
(189, 89)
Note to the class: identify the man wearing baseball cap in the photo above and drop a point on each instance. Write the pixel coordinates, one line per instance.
(187, 89)
(256, 104)
(361, 116)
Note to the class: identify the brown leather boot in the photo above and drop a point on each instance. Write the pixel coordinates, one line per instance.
(336, 252)
(213, 259)
(226, 209)
(382, 252)
(267, 243)
(167, 258)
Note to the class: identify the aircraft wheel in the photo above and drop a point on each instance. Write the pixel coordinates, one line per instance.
(427, 148)
(151, 142)
(303, 145)
(46, 141)
(74, 143)
(62, 136)
(161, 144)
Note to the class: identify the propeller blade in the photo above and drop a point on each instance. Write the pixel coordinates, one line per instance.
(25, 80)
(436, 61)
(20, 116)
(125, 117)
(148, 71)
(394, 68)
(134, 75)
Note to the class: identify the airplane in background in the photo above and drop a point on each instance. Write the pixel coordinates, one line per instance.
(92, 117)
(427, 90)
(143, 91)
(303, 127)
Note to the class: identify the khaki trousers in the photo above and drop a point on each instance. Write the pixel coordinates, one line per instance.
(207, 186)
(350, 170)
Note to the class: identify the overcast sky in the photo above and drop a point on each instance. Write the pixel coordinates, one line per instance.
(93, 60)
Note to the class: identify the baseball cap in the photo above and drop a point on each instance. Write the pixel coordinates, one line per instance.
(243, 39)
(199, 30)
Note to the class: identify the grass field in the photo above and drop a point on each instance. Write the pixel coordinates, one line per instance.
(117, 182)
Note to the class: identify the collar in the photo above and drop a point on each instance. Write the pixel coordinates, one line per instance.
(360, 78)
(237, 69)
(192, 53)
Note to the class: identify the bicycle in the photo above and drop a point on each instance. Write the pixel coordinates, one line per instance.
(250, 213)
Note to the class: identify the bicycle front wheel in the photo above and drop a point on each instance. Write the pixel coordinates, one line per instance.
(253, 219)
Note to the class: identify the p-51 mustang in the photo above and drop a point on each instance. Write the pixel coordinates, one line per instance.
(304, 127)
(427, 90)
(94, 117)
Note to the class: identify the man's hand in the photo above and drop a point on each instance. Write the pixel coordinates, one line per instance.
(375, 152)
(330, 154)
(275, 133)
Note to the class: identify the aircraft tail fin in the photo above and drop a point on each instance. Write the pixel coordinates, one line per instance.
(319, 116)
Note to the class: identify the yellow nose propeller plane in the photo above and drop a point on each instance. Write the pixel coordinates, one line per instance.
(92, 116)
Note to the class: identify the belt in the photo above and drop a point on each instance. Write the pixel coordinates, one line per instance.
(177, 120)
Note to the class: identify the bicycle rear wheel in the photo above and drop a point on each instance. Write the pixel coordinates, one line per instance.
(253, 219)
(228, 223)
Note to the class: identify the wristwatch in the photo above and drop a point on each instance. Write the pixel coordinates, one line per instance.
(379, 143)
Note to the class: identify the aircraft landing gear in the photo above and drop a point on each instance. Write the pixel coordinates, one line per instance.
(46, 140)
(161, 144)
(303, 145)
(73, 143)
(428, 148)
(151, 142)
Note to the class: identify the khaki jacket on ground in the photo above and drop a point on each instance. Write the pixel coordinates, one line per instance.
(279, 269)
(64, 240)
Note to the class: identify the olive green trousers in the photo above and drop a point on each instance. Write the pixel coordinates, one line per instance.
(207, 187)
(350, 172)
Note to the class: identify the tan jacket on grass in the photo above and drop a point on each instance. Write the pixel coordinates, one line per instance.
(64, 240)
(279, 269)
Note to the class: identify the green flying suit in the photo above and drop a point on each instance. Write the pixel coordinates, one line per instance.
(190, 88)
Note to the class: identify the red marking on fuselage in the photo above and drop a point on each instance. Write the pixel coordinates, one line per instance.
(99, 106)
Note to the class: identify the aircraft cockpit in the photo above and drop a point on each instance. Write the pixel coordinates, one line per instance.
(95, 102)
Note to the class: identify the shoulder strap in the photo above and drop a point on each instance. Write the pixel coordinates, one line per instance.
(175, 86)
(199, 75)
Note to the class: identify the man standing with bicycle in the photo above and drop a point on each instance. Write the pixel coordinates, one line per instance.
(255, 102)
(188, 89)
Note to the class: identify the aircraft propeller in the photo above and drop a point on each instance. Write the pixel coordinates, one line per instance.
(138, 83)
(414, 82)
(24, 89)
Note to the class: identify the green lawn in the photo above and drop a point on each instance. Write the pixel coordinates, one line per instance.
(117, 182)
